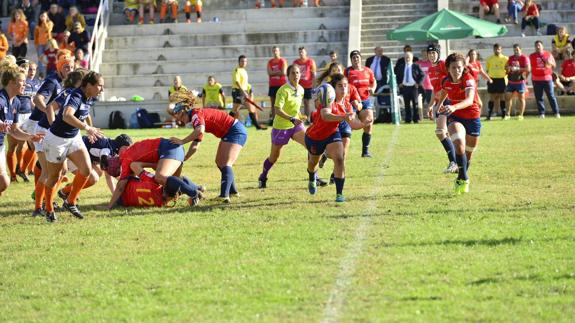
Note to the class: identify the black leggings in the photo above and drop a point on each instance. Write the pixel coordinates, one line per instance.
(20, 51)
(533, 22)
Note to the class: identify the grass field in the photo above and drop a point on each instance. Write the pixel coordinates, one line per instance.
(402, 248)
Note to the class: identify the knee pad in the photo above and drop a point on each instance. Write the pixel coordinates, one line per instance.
(457, 136)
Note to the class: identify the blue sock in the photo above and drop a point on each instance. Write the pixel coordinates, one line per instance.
(227, 181)
(339, 184)
(184, 186)
(462, 165)
(233, 189)
(449, 148)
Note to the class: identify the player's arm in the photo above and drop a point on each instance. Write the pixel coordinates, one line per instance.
(18, 133)
(223, 97)
(484, 74)
(328, 116)
(71, 119)
(111, 182)
(192, 150)
(196, 134)
(40, 102)
(138, 167)
(120, 187)
(51, 111)
(442, 96)
(469, 97)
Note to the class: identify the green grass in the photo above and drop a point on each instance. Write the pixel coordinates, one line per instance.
(504, 252)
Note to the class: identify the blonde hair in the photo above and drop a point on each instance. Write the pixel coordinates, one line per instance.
(10, 73)
(184, 97)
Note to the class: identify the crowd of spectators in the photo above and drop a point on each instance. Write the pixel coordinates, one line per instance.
(49, 26)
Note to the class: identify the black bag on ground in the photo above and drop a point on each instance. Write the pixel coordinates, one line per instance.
(117, 120)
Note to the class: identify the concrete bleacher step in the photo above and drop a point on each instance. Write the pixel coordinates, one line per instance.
(227, 27)
(255, 39)
(191, 53)
(180, 66)
(244, 4)
(146, 80)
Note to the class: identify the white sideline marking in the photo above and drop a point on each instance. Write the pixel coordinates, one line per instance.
(334, 305)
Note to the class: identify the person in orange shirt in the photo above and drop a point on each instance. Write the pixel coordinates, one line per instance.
(42, 33)
(64, 43)
(18, 32)
(3, 45)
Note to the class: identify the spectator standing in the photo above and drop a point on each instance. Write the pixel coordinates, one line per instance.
(73, 17)
(567, 76)
(308, 69)
(513, 9)
(57, 17)
(496, 88)
(561, 44)
(42, 34)
(518, 69)
(18, 31)
(4, 46)
(380, 65)
(409, 76)
(79, 37)
(542, 65)
(487, 7)
(213, 94)
(277, 70)
(29, 10)
(426, 89)
(401, 60)
(530, 17)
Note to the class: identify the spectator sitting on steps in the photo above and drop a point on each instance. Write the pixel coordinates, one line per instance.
(487, 7)
(561, 44)
(530, 17)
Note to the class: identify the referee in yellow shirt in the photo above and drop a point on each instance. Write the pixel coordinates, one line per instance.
(496, 70)
(240, 90)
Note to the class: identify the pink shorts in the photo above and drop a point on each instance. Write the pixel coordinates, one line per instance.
(282, 137)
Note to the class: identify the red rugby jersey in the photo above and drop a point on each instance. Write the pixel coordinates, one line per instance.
(144, 192)
(456, 93)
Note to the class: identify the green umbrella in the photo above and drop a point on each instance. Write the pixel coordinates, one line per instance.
(447, 24)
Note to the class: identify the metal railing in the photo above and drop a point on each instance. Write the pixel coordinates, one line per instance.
(99, 35)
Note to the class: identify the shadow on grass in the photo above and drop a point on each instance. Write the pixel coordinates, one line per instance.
(464, 243)
(419, 298)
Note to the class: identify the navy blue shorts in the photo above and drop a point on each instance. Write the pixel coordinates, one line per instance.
(367, 104)
(169, 150)
(272, 91)
(345, 129)
(518, 87)
(237, 134)
(472, 126)
(317, 147)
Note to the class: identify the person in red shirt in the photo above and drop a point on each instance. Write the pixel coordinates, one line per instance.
(308, 70)
(363, 79)
(323, 134)
(487, 7)
(567, 76)
(277, 71)
(233, 134)
(144, 191)
(518, 68)
(437, 72)
(530, 17)
(160, 154)
(463, 114)
(542, 65)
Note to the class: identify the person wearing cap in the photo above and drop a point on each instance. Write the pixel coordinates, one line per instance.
(166, 157)
(380, 65)
(437, 72)
(308, 69)
(79, 37)
(364, 81)
(409, 77)
(63, 141)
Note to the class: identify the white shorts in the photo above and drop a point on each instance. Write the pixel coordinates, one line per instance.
(3, 166)
(23, 117)
(29, 126)
(71, 166)
(57, 149)
(39, 146)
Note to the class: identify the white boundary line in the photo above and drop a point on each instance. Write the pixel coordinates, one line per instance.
(335, 303)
